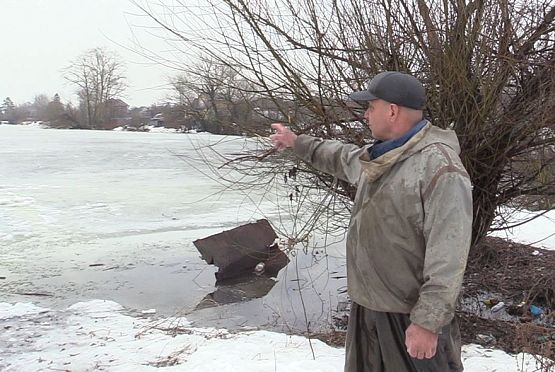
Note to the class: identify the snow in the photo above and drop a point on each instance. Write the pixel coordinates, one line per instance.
(539, 232)
(94, 334)
(479, 359)
(98, 334)
(35, 124)
(153, 129)
(19, 309)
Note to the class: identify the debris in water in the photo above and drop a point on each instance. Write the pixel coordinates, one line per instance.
(259, 268)
(34, 294)
(238, 252)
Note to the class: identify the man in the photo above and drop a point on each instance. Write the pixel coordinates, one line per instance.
(409, 233)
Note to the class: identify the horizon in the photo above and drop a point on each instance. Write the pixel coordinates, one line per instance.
(62, 30)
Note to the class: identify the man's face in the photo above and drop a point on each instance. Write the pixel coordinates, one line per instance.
(376, 116)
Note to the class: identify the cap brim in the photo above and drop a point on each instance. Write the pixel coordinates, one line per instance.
(362, 96)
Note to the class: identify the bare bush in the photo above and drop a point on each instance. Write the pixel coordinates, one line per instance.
(488, 66)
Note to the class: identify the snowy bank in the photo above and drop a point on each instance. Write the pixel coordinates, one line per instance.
(35, 124)
(539, 232)
(99, 335)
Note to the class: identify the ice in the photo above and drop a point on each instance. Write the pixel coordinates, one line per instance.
(129, 204)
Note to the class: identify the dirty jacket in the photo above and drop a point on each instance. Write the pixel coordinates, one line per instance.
(410, 227)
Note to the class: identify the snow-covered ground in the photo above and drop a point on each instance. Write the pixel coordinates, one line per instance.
(150, 129)
(98, 335)
(35, 124)
(538, 232)
(111, 215)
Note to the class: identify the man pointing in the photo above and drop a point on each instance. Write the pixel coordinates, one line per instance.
(409, 233)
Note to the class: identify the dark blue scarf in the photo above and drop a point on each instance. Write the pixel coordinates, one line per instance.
(381, 147)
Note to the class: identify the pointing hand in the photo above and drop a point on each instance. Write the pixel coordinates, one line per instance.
(283, 137)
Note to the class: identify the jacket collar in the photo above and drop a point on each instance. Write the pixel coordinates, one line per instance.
(375, 168)
(381, 147)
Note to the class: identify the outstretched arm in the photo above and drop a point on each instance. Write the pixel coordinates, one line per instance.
(328, 156)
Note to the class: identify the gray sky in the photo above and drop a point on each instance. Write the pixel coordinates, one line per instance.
(41, 37)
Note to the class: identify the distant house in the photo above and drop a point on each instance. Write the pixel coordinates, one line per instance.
(269, 109)
(117, 112)
(157, 120)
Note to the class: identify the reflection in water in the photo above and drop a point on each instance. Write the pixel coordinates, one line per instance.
(237, 290)
(247, 258)
(306, 291)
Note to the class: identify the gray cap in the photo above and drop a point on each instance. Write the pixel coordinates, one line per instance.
(394, 87)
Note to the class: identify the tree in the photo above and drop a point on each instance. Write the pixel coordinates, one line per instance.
(489, 68)
(55, 112)
(8, 110)
(215, 94)
(40, 107)
(98, 77)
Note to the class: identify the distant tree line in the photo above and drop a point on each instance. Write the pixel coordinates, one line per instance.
(42, 108)
(206, 96)
(215, 97)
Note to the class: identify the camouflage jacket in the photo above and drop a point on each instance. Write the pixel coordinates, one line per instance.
(410, 227)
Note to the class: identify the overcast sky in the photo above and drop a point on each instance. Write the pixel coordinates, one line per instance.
(41, 37)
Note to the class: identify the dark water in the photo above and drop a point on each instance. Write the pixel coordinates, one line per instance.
(307, 292)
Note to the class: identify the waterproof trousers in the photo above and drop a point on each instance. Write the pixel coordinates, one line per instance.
(376, 343)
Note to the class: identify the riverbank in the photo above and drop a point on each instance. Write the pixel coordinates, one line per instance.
(504, 272)
(100, 335)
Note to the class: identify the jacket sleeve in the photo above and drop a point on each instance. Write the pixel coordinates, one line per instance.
(332, 157)
(447, 233)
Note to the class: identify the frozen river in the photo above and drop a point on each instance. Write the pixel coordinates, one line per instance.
(112, 215)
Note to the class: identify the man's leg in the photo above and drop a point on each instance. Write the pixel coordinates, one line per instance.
(362, 349)
(376, 343)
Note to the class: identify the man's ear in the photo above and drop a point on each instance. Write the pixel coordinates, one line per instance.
(393, 112)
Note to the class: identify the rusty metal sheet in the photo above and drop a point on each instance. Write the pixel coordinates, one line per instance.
(236, 252)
